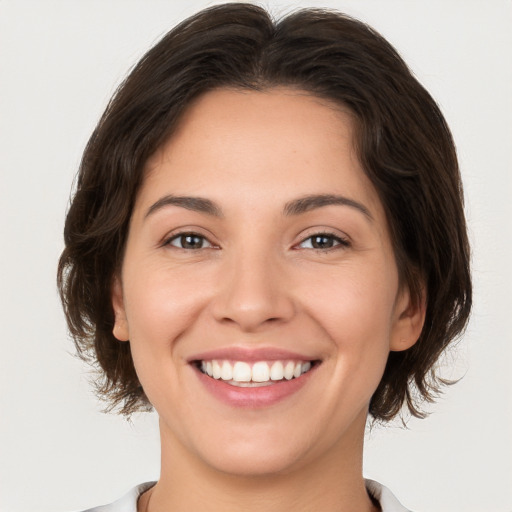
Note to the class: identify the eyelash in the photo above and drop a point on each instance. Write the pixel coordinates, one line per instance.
(336, 240)
(183, 236)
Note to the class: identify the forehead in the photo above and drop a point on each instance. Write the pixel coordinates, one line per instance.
(259, 146)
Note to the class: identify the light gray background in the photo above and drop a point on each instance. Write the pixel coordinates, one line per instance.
(59, 64)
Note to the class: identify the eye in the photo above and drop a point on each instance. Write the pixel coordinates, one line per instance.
(323, 241)
(189, 241)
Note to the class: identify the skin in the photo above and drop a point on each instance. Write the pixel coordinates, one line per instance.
(258, 281)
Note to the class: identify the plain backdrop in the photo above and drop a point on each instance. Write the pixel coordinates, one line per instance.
(59, 64)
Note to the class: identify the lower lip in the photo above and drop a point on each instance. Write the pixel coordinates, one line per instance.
(253, 397)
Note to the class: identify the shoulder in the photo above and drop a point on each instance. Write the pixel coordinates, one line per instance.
(127, 503)
(385, 497)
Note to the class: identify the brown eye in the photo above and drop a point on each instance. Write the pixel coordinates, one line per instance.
(323, 241)
(189, 241)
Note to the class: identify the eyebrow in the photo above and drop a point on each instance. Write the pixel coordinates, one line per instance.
(295, 207)
(196, 204)
(311, 202)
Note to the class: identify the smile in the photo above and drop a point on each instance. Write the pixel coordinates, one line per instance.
(256, 374)
(253, 378)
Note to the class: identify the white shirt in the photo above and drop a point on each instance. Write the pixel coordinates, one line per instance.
(128, 503)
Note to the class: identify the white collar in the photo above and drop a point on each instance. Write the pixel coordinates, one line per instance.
(386, 499)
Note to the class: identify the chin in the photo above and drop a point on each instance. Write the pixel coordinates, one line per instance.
(245, 448)
(255, 460)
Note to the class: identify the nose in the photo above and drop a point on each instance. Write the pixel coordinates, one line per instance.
(253, 293)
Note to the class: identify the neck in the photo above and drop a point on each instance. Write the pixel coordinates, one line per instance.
(331, 482)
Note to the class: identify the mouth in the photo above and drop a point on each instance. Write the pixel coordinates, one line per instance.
(250, 378)
(244, 374)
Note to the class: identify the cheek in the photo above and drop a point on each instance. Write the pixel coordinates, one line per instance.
(351, 301)
(157, 294)
(355, 308)
(161, 306)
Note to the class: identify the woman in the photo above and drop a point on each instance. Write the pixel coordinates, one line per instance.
(258, 249)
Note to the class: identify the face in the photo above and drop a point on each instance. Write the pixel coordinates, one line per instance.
(259, 288)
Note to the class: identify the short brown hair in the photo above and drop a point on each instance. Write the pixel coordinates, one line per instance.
(402, 140)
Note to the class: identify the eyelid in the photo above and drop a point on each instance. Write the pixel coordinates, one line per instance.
(342, 240)
(191, 231)
(205, 243)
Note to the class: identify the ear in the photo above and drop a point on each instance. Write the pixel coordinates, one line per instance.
(408, 321)
(120, 330)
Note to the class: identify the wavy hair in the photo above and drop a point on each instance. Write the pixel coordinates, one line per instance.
(402, 141)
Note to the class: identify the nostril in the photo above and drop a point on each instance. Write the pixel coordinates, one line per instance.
(250, 298)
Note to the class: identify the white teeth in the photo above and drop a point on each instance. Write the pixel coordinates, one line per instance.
(288, 370)
(217, 371)
(227, 371)
(277, 371)
(242, 372)
(261, 373)
(306, 367)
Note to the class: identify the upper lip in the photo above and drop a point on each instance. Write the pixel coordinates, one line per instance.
(250, 355)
